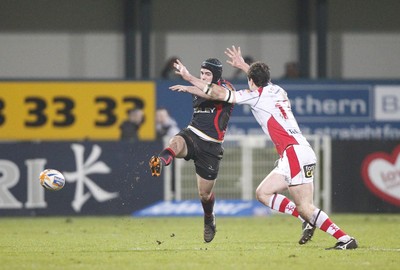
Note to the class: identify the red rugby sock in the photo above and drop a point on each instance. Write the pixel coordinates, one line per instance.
(282, 204)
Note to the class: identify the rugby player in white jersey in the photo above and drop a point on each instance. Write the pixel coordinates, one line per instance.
(270, 106)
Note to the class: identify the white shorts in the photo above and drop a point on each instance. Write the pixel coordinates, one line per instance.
(297, 165)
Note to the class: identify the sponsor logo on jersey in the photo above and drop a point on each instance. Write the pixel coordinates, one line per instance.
(309, 170)
(203, 110)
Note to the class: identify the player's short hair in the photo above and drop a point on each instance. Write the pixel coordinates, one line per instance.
(215, 66)
(260, 74)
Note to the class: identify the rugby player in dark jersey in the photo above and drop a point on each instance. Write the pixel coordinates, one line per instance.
(201, 141)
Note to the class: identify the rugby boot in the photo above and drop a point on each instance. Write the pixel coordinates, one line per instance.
(210, 228)
(307, 234)
(155, 166)
(351, 244)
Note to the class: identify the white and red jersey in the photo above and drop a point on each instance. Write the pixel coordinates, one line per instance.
(271, 108)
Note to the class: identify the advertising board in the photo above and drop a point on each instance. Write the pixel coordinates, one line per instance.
(342, 111)
(102, 178)
(73, 110)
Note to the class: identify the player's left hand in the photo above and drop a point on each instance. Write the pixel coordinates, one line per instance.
(181, 70)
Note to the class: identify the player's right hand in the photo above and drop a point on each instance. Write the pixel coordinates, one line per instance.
(236, 59)
(181, 70)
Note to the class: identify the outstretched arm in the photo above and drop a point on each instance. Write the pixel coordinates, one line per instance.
(209, 90)
(189, 89)
(215, 92)
(185, 74)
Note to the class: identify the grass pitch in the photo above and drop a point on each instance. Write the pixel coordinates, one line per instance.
(177, 243)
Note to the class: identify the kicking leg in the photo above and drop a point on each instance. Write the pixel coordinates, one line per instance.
(176, 149)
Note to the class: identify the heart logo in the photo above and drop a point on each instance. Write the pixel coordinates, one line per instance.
(381, 174)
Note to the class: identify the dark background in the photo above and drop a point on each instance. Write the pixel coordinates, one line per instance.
(349, 192)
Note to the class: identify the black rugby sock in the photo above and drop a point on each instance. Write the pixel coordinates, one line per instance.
(208, 206)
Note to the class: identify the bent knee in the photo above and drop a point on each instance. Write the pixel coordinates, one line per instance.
(259, 194)
(204, 196)
(178, 145)
(262, 196)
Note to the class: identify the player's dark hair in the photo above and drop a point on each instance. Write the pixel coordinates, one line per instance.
(259, 73)
(215, 66)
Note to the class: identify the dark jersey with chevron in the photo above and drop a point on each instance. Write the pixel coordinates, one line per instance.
(211, 117)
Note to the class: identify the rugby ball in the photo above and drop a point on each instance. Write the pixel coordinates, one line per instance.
(52, 179)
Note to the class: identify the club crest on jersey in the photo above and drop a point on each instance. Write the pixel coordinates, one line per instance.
(309, 170)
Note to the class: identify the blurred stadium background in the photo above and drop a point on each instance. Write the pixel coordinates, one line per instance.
(70, 70)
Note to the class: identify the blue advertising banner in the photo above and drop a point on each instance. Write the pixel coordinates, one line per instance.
(102, 178)
(341, 110)
(194, 208)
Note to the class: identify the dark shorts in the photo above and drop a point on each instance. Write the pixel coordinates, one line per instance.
(206, 155)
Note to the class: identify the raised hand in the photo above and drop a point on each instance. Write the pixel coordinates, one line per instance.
(236, 59)
(181, 70)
